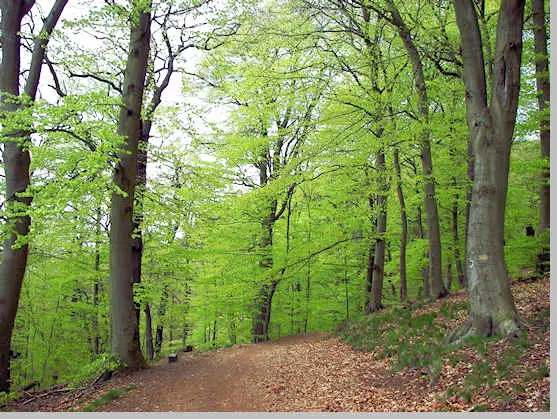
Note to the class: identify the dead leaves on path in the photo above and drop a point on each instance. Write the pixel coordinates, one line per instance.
(330, 376)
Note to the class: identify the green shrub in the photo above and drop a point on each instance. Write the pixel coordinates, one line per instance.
(107, 398)
(105, 362)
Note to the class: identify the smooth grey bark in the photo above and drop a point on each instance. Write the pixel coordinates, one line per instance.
(430, 202)
(17, 160)
(404, 228)
(543, 93)
(125, 327)
(491, 128)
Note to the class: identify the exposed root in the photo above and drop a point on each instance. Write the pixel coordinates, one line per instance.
(485, 327)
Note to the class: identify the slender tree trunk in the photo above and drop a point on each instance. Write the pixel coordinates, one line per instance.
(346, 295)
(543, 93)
(434, 236)
(449, 275)
(149, 349)
(96, 287)
(404, 229)
(491, 128)
(456, 240)
(375, 300)
(125, 325)
(308, 272)
(369, 274)
(17, 160)
(421, 235)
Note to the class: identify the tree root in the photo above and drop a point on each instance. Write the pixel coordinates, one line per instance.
(485, 327)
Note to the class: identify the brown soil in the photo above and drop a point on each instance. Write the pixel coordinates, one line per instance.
(229, 379)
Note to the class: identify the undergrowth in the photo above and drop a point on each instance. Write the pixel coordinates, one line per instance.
(417, 341)
(107, 398)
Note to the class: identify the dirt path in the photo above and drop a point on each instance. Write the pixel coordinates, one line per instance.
(230, 379)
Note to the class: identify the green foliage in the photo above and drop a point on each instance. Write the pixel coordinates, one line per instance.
(107, 398)
(91, 371)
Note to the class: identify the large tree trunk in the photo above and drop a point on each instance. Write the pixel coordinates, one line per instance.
(16, 162)
(125, 326)
(543, 93)
(433, 232)
(404, 229)
(491, 128)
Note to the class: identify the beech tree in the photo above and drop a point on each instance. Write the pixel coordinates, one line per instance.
(491, 121)
(17, 159)
(124, 325)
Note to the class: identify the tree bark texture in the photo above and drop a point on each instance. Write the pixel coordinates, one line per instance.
(491, 131)
(16, 162)
(125, 327)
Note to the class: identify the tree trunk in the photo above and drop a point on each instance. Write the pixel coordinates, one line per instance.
(434, 236)
(491, 128)
(159, 339)
(456, 241)
(449, 276)
(263, 316)
(543, 93)
(16, 162)
(346, 295)
(421, 235)
(125, 325)
(375, 299)
(149, 349)
(404, 230)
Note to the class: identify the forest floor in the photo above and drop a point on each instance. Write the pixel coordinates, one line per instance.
(317, 372)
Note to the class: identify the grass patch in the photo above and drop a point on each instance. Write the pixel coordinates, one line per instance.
(407, 339)
(107, 398)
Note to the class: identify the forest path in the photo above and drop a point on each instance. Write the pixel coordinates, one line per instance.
(296, 373)
(229, 379)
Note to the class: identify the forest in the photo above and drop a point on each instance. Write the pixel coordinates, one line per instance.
(207, 173)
